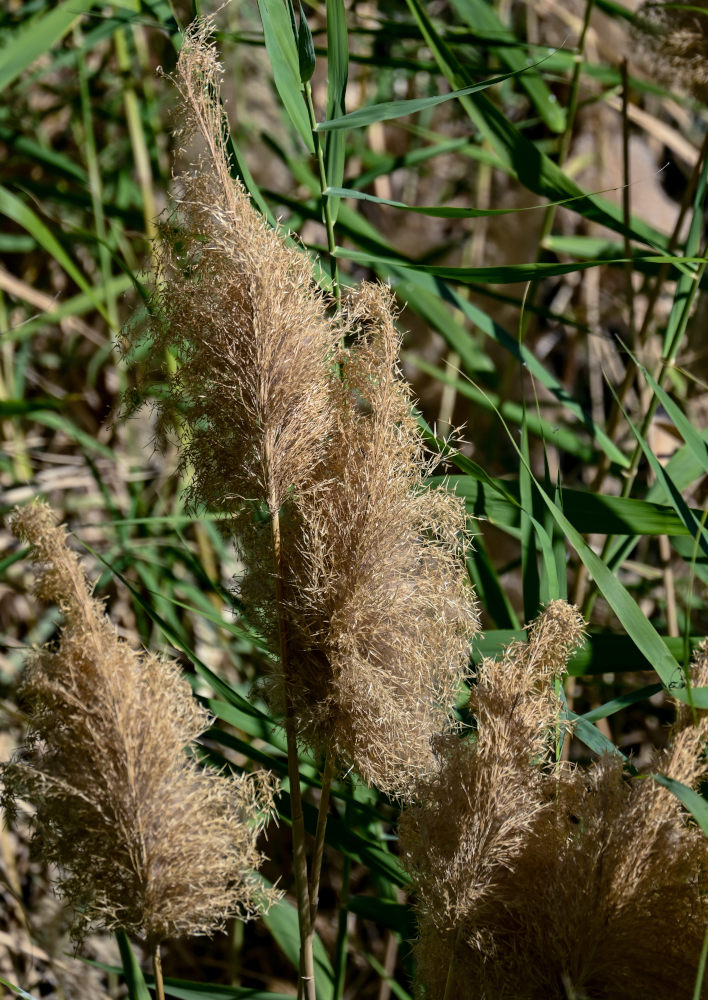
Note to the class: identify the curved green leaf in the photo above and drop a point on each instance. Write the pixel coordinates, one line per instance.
(36, 37)
(695, 803)
(283, 52)
(399, 109)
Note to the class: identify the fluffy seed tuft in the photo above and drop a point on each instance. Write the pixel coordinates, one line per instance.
(536, 882)
(145, 839)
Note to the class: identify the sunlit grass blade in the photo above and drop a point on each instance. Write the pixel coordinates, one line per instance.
(621, 702)
(481, 17)
(503, 274)
(37, 36)
(388, 110)
(282, 49)
(17, 990)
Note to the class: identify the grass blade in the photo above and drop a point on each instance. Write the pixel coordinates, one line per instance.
(135, 981)
(695, 803)
(283, 52)
(36, 37)
(388, 110)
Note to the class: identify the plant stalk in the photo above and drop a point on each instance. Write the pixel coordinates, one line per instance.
(157, 971)
(306, 982)
(326, 207)
(449, 982)
(316, 868)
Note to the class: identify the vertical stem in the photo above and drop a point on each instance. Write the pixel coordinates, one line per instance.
(157, 970)
(340, 950)
(626, 200)
(326, 209)
(307, 965)
(320, 837)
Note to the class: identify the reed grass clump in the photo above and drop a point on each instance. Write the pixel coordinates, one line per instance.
(145, 839)
(537, 880)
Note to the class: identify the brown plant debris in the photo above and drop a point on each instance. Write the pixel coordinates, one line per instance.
(541, 881)
(145, 839)
(675, 39)
(352, 568)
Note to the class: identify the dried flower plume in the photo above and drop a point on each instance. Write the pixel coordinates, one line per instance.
(144, 838)
(352, 568)
(538, 882)
(239, 310)
(381, 613)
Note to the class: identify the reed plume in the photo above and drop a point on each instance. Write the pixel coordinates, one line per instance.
(145, 839)
(538, 881)
(351, 568)
(239, 310)
(381, 614)
(355, 577)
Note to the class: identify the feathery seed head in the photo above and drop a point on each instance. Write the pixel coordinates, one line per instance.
(145, 839)
(381, 613)
(354, 574)
(240, 311)
(537, 883)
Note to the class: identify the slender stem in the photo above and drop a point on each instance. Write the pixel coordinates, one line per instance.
(326, 206)
(316, 867)
(307, 965)
(626, 200)
(157, 970)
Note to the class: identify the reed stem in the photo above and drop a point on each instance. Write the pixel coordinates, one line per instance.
(157, 971)
(449, 982)
(306, 984)
(326, 207)
(320, 837)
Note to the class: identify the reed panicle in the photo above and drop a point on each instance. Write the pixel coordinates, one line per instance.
(355, 579)
(239, 310)
(145, 839)
(537, 882)
(381, 614)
